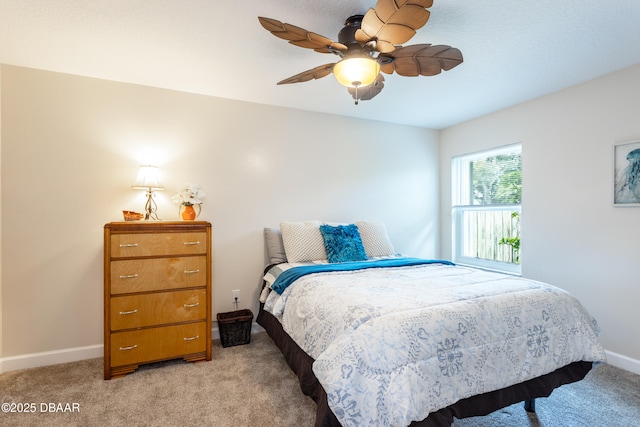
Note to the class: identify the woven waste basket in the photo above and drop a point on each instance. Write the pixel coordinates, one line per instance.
(235, 327)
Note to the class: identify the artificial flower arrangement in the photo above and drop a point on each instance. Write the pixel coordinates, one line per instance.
(189, 195)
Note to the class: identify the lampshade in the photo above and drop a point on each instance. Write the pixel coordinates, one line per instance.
(356, 71)
(148, 178)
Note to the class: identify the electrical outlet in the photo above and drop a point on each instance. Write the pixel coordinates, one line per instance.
(236, 295)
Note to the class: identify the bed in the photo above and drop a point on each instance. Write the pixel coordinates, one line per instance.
(377, 338)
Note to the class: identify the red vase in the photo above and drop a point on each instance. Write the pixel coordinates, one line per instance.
(189, 213)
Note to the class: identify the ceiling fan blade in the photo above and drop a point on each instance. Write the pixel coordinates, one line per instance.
(365, 93)
(314, 73)
(423, 60)
(393, 22)
(299, 36)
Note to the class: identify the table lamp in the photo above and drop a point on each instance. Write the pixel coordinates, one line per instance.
(149, 179)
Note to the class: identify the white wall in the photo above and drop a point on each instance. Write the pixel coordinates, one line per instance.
(71, 147)
(572, 236)
(1, 368)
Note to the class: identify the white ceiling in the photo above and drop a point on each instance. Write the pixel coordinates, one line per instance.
(513, 50)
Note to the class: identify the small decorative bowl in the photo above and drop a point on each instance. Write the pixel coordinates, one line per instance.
(132, 216)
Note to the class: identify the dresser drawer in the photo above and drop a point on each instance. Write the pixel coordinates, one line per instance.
(158, 244)
(160, 343)
(136, 311)
(155, 274)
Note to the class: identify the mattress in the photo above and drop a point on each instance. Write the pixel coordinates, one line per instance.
(390, 345)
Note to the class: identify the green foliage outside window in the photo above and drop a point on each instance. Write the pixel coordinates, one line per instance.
(497, 180)
(514, 241)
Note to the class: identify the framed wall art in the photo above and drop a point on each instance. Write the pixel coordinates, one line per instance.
(626, 174)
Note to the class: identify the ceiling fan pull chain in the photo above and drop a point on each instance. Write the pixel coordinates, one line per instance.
(356, 97)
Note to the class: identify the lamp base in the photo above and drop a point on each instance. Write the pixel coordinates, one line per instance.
(151, 207)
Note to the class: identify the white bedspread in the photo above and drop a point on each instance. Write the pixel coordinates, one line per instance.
(394, 344)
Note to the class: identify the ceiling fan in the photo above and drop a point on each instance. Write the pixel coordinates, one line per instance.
(371, 43)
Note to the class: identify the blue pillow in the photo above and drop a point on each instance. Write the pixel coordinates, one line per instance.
(343, 243)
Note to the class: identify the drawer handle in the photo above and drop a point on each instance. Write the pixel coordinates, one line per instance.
(128, 245)
(191, 243)
(129, 276)
(123, 313)
(191, 271)
(191, 305)
(191, 338)
(131, 347)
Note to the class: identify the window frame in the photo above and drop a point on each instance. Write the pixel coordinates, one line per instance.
(461, 203)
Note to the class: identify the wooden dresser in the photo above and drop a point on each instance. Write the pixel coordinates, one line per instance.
(157, 293)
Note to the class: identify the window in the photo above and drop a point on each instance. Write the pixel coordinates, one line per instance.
(487, 190)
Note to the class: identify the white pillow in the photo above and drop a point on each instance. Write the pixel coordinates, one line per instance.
(375, 239)
(303, 241)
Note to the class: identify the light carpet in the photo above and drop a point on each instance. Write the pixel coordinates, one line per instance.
(251, 385)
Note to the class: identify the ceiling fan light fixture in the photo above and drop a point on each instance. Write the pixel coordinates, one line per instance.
(356, 71)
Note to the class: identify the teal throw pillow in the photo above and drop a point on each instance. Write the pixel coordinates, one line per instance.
(343, 243)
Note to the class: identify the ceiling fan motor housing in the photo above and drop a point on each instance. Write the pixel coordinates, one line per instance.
(358, 67)
(347, 34)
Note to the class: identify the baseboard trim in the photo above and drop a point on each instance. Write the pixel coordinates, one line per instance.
(34, 360)
(623, 362)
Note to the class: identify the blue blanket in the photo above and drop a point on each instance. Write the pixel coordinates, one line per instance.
(289, 276)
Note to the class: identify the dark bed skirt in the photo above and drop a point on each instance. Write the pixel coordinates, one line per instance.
(482, 404)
